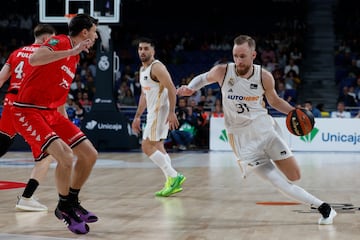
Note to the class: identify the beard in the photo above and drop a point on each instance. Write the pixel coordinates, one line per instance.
(143, 58)
(242, 71)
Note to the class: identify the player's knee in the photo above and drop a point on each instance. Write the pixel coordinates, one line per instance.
(289, 168)
(43, 164)
(146, 147)
(65, 158)
(87, 155)
(5, 143)
(65, 163)
(92, 156)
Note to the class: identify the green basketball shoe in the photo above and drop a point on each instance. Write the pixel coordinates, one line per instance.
(174, 185)
(166, 185)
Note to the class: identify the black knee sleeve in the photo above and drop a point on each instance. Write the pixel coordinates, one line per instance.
(5, 143)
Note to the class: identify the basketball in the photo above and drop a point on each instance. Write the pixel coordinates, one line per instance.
(300, 121)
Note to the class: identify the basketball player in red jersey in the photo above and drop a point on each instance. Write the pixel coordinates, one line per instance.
(15, 68)
(48, 132)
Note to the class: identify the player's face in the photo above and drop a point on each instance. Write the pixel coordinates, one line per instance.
(145, 51)
(243, 57)
(92, 34)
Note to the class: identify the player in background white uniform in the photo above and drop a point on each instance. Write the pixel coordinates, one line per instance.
(158, 96)
(253, 135)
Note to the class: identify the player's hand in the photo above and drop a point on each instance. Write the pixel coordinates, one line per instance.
(173, 121)
(184, 91)
(82, 46)
(136, 125)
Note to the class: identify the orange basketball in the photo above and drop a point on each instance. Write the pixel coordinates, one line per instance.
(300, 121)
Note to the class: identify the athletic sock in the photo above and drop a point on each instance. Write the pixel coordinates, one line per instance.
(168, 159)
(269, 172)
(74, 195)
(63, 203)
(160, 159)
(30, 188)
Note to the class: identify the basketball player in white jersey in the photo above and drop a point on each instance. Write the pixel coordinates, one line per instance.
(158, 96)
(253, 134)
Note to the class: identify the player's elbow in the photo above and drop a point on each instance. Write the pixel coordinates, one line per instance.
(294, 177)
(33, 61)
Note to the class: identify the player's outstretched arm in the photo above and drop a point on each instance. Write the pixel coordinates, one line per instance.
(196, 83)
(45, 55)
(216, 74)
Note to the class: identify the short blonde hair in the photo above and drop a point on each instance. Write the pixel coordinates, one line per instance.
(241, 39)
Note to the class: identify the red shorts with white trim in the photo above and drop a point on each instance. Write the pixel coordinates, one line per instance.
(6, 121)
(40, 127)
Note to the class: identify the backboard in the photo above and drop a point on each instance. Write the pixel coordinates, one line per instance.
(59, 11)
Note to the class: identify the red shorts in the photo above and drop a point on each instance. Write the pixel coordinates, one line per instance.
(40, 127)
(6, 121)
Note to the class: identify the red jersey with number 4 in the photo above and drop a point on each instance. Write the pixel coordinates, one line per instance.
(18, 63)
(48, 85)
(19, 66)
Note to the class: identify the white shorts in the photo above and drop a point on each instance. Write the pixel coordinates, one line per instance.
(156, 127)
(257, 144)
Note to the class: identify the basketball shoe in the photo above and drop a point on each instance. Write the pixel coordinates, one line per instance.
(328, 214)
(30, 204)
(174, 185)
(84, 214)
(166, 185)
(73, 222)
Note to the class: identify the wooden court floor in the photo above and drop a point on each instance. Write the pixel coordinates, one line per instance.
(216, 203)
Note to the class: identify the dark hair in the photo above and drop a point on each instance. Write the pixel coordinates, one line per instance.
(81, 22)
(146, 40)
(41, 29)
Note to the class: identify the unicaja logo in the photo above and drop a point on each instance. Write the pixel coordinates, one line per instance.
(91, 125)
(309, 137)
(99, 100)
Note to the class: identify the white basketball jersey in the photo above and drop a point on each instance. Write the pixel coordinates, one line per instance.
(242, 98)
(156, 94)
(157, 104)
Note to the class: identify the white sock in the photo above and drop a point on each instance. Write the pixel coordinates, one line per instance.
(270, 173)
(160, 159)
(168, 159)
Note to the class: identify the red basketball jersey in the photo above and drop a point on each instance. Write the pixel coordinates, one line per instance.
(19, 66)
(18, 63)
(48, 85)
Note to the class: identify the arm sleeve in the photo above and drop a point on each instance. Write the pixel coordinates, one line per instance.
(198, 82)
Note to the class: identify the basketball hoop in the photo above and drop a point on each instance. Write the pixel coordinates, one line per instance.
(49, 11)
(69, 16)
